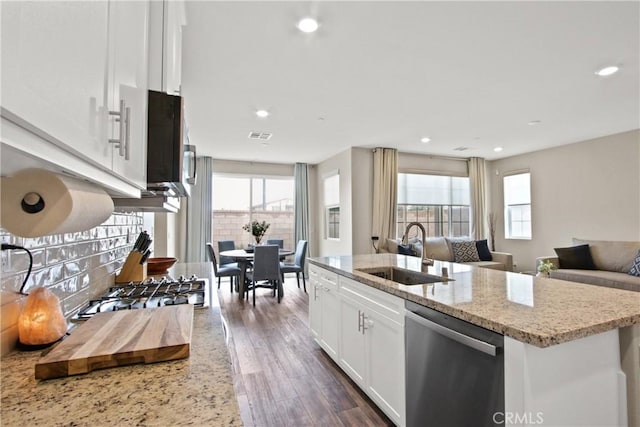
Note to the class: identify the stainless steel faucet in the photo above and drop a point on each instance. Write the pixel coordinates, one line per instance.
(405, 240)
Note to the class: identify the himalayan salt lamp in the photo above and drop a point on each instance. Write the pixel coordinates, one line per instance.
(41, 321)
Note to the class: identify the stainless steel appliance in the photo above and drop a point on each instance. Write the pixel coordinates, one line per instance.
(171, 159)
(454, 371)
(150, 293)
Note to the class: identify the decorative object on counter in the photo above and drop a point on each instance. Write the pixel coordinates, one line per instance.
(135, 266)
(121, 338)
(36, 202)
(160, 265)
(257, 229)
(41, 322)
(544, 269)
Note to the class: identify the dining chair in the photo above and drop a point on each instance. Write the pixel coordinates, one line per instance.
(298, 263)
(279, 242)
(223, 271)
(266, 267)
(227, 245)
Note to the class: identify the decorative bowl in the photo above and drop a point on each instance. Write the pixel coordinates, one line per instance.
(159, 265)
(249, 250)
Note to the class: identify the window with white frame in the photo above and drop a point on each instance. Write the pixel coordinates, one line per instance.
(332, 206)
(440, 203)
(517, 206)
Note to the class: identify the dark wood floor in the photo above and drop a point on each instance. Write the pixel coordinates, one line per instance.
(281, 376)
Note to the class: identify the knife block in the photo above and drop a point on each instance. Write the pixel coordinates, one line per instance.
(132, 270)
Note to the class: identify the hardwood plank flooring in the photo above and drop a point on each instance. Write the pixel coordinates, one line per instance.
(281, 375)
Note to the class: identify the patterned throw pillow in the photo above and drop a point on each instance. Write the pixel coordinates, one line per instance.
(465, 251)
(635, 268)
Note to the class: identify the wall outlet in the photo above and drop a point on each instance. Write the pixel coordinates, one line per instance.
(5, 261)
(374, 238)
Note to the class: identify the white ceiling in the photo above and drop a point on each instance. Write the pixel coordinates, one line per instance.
(470, 74)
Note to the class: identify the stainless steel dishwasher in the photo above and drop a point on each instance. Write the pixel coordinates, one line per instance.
(454, 371)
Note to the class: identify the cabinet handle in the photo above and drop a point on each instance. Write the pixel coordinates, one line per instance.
(122, 120)
(359, 325)
(365, 322)
(315, 292)
(127, 141)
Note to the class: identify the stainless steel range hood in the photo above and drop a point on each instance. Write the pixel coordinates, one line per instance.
(151, 201)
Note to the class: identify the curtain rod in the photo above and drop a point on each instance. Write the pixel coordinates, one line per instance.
(430, 156)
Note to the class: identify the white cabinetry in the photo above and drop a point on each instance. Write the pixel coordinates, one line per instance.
(362, 329)
(65, 66)
(323, 309)
(165, 56)
(128, 51)
(372, 345)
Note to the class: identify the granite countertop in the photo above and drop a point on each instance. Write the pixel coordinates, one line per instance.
(193, 391)
(534, 310)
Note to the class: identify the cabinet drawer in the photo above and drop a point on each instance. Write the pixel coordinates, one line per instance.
(386, 304)
(324, 277)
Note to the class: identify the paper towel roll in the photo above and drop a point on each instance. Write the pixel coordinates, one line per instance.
(36, 202)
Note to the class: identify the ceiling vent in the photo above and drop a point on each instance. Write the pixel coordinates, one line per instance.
(262, 136)
(461, 149)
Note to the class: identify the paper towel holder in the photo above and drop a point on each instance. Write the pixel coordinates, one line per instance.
(32, 203)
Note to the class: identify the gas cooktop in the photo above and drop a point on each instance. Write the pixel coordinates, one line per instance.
(149, 293)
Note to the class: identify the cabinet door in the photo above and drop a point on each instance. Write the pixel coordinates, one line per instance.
(385, 364)
(330, 320)
(352, 340)
(315, 293)
(174, 19)
(54, 71)
(128, 61)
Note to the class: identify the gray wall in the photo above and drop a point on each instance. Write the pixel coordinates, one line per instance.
(587, 190)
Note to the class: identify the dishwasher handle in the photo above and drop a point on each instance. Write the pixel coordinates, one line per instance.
(474, 343)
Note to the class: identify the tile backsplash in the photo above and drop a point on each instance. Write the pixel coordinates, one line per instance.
(75, 266)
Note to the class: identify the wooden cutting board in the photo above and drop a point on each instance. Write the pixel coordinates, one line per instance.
(121, 338)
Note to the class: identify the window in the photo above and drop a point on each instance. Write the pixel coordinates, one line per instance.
(439, 203)
(239, 199)
(332, 206)
(517, 206)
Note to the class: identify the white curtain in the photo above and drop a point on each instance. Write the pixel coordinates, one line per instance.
(385, 193)
(301, 206)
(477, 184)
(199, 211)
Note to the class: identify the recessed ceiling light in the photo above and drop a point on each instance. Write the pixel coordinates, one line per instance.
(307, 25)
(607, 71)
(534, 122)
(262, 113)
(497, 149)
(425, 140)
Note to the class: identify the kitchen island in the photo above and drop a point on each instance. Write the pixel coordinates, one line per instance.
(562, 354)
(193, 391)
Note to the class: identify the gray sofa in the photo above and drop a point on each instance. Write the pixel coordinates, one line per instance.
(613, 260)
(439, 248)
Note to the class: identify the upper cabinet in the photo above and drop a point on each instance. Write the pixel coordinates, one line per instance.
(74, 80)
(54, 73)
(128, 83)
(165, 55)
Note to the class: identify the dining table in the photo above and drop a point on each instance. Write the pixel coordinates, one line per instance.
(244, 259)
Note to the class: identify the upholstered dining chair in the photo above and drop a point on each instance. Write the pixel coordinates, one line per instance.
(298, 263)
(266, 267)
(223, 271)
(227, 245)
(279, 242)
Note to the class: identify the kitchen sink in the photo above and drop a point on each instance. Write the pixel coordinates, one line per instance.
(403, 276)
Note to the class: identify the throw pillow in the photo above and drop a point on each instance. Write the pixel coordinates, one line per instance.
(405, 250)
(576, 257)
(465, 251)
(483, 250)
(635, 267)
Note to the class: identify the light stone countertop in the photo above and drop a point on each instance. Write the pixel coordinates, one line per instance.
(534, 310)
(193, 391)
